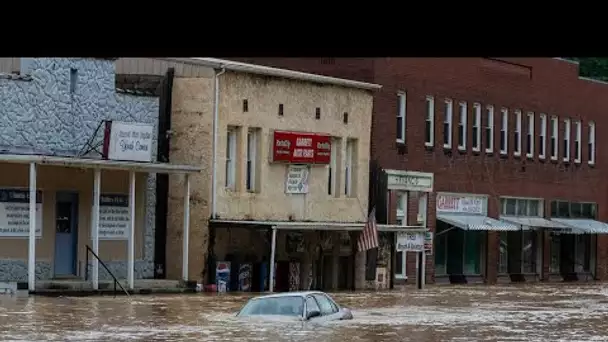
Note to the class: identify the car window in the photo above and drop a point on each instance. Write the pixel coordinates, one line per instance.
(326, 305)
(311, 304)
(286, 306)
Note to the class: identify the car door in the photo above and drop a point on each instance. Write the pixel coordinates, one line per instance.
(329, 310)
(312, 305)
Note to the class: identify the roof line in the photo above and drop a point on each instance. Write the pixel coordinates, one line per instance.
(217, 63)
(594, 80)
(566, 60)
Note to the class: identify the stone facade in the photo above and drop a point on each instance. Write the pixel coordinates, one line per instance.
(53, 108)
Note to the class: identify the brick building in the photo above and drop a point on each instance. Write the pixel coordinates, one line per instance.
(509, 147)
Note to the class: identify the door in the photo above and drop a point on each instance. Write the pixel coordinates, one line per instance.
(66, 236)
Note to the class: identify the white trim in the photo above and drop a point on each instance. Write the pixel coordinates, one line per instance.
(531, 134)
(591, 161)
(462, 122)
(567, 134)
(430, 117)
(543, 136)
(504, 131)
(449, 109)
(477, 125)
(251, 157)
(402, 113)
(554, 138)
(330, 226)
(578, 134)
(517, 142)
(490, 128)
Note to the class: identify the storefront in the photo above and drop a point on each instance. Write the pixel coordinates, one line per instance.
(461, 237)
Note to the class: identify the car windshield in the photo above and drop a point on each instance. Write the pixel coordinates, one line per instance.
(285, 306)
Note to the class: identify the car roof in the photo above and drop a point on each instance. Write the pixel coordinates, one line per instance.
(290, 294)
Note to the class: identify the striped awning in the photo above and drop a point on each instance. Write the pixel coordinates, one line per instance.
(583, 226)
(528, 223)
(476, 222)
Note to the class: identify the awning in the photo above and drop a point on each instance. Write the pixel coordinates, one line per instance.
(527, 223)
(476, 222)
(327, 226)
(583, 226)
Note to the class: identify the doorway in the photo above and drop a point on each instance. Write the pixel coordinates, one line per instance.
(66, 234)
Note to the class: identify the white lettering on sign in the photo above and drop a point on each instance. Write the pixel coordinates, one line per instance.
(460, 204)
(410, 180)
(303, 153)
(130, 141)
(410, 242)
(15, 213)
(303, 142)
(283, 143)
(297, 179)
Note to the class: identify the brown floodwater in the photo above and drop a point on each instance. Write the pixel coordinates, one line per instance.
(438, 313)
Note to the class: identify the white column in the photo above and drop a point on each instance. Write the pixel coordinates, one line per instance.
(186, 237)
(273, 248)
(131, 242)
(95, 227)
(31, 262)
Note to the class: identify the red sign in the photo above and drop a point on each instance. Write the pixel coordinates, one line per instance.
(301, 148)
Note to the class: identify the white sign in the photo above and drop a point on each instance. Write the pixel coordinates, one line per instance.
(130, 141)
(15, 213)
(412, 242)
(114, 217)
(409, 180)
(460, 204)
(297, 179)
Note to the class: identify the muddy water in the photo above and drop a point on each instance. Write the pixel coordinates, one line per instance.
(447, 313)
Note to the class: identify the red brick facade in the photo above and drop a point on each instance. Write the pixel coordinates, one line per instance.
(538, 85)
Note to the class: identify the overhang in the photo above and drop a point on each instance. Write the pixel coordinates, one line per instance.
(476, 222)
(327, 226)
(533, 222)
(583, 226)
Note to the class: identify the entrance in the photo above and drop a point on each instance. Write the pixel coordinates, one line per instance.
(66, 233)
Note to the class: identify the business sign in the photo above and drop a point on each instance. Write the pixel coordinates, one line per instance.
(15, 213)
(128, 141)
(410, 242)
(301, 148)
(409, 180)
(296, 181)
(114, 217)
(455, 203)
(428, 243)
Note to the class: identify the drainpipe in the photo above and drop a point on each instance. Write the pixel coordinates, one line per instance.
(216, 110)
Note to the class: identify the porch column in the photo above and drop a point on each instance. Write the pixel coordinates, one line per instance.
(272, 254)
(31, 263)
(131, 242)
(95, 228)
(186, 237)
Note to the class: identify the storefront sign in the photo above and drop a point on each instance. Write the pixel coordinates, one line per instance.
(128, 141)
(301, 148)
(454, 203)
(15, 213)
(114, 217)
(410, 180)
(297, 179)
(410, 242)
(428, 243)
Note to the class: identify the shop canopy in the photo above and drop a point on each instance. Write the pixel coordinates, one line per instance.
(527, 223)
(583, 226)
(476, 222)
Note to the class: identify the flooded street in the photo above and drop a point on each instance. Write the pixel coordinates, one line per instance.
(440, 313)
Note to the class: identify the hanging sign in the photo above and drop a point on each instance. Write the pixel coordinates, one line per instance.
(128, 141)
(114, 217)
(410, 242)
(15, 213)
(466, 204)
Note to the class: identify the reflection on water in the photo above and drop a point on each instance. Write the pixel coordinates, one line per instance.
(447, 313)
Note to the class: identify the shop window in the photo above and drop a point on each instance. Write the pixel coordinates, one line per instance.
(566, 140)
(429, 131)
(476, 127)
(231, 139)
(401, 257)
(503, 256)
(447, 124)
(252, 158)
(542, 137)
(350, 168)
(529, 251)
(517, 134)
(462, 127)
(441, 249)
(554, 266)
(504, 131)
(401, 115)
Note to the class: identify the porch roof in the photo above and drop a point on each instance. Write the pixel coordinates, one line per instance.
(91, 163)
(328, 226)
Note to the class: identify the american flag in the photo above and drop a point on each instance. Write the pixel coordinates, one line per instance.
(368, 238)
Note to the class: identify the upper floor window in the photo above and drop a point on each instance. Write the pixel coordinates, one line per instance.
(429, 131)
(252, 157)
(566, 140)
(349, 169)
(554, 135)
(332, 177)
(490, 129)
(530, 136)
(476, 127)
(401, 113)
(447, 124)
(504, 131)
(565, 209)
(577, 141)
(542, 136)
(231, 158)
(591, 150)
(521, 207)
(517, 134)
(462, 126)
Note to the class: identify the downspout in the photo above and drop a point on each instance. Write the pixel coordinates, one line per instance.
(216, 110)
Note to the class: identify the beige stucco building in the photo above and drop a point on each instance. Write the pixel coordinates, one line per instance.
(242, 191)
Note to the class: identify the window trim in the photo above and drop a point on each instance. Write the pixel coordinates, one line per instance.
(554, 135)
(543, 136)
(490, 128)
(592, 148)
(462, 122)
(448, 119)
(578, 134)
(333, 167)
(477, 124)
(517, 143)
(530, 116)
(567, 133)
(504, 131)
(231, 144)
(251, 157)
(402, 113)
(540, 209)
(430, 117)
(348, 168)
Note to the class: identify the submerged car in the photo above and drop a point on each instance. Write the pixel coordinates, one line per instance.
(304, 306)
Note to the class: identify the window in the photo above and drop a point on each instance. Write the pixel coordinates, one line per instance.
(429, 132)
(332, 179)
(577, 141)
(476, 127)
(311, 305)
(401, 257)
(252, 146)
(504, 131)
(565, 209)
(517, 134)
(462, 127)
(231, 158)
(73, 80)
(447, 124)
(326, 305)
(349, 176)
(554, 138)
(566, 140)
(542, 136)
(401, 118)
(521, 207)
(530, 136)
(490, 130)
(591, 157)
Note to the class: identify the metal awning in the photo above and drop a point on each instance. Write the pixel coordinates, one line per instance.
(583, 226)
(328, 226)
(476, 222)
(528, 223)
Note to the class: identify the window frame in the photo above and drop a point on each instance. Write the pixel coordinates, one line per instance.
(539, 202)
(251, 160)
(554, 137)
(578, 134)
(489, 128)
(348, 167)
(530, 141)
(401, 115)
(542, 136)
(504, 131)
(566, 140)
(230, 166)
(401, 215)
(332, 176)
(591, 144)
(430, 121)
(476, 125)
(462, 125)
(517, 131)
(447, 121)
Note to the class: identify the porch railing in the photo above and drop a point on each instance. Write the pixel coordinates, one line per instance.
(86, 272)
